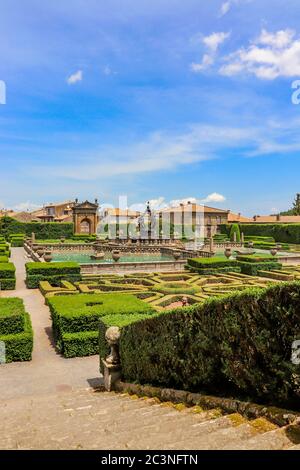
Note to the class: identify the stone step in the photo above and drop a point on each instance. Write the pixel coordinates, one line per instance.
(278, 439)
(83, 419)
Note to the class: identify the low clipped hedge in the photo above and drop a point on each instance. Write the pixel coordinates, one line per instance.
(252, 268)
(51, 272)
(7, 276)
(15, 330)
(11, 316)
(256, 258)
(75, 319)
(240, 344)
(17, 242)
(212, 265)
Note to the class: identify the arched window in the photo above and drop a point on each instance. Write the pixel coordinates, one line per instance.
(85, 227)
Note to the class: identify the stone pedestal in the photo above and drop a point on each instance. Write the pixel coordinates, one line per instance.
(112, 374)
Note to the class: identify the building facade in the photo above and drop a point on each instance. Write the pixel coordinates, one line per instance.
(85, 217)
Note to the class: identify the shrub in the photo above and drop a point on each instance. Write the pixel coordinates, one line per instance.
(42, 230)
(235, 229)
(256, 258)
(11, 316)
(15, 330)
(282, 233)
(212, 265)
(76, 319)
(51, 272)
(7, 276)
(252, 269)
(17, 242)
(239, 344)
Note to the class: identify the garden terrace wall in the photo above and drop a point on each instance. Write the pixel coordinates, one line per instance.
(238, 344)
(15, 330)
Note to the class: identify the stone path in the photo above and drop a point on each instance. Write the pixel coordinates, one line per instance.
(48, 372)
(51, 403)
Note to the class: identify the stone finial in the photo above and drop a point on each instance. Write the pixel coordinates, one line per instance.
(112, 336)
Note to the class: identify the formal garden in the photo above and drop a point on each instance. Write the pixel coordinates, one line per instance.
(225, 324)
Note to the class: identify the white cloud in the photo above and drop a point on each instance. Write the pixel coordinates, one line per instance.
(207, 60)
(270, 56)
(107, 70)
(212, 43)
(75, 77)
(168, 151)
(214, 40)
(214, 197)
(225, 7)
(228, 4)
(26, 207)
(177, 202)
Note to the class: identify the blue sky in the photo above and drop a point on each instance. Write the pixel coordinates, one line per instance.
(162, 99)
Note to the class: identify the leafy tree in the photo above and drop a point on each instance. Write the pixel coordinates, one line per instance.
(296, 205)
(235, 229)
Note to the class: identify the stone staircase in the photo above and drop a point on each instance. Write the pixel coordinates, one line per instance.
(87, 419)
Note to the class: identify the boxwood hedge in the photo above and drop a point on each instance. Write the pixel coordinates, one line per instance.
(7, 276)
(212, 265)
(42, 230)
(15, 330)
(51, 272)
(284, 233)
(76, 319)
(239, 344)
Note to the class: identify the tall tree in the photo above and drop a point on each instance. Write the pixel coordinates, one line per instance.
(296, 204)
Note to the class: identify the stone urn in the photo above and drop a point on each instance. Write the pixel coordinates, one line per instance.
(116, 255)
(273, 251)
(278, 246)
(250, 244)
(40, 251)
(48, 256)
(62, 239)
(227, 252)
(176, 255)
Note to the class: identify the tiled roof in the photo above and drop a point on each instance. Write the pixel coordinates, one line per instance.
(281, 219)
(122, 212)
(195, 207)
(238, 218)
